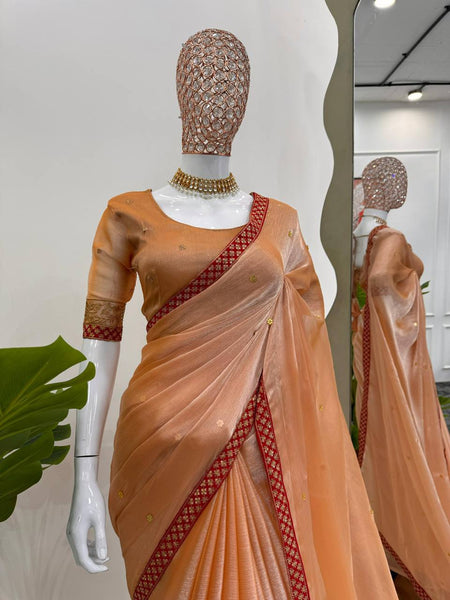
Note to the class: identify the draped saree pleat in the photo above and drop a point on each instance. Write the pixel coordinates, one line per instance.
(404, 445)
(233, 475)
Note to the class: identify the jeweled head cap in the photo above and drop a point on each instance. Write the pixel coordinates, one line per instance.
(213, 78)
(358, 203)
(385, 183)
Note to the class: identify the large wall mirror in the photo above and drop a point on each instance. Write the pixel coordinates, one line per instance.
(401, 283)
(402, 109)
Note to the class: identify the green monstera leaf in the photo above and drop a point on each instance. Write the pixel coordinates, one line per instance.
(31, 409)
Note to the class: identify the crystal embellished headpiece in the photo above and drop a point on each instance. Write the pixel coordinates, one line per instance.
(213, 78)
(385, 183)
(358, 204)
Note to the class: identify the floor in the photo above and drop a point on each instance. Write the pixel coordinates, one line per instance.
(404, 589)
(443, 389)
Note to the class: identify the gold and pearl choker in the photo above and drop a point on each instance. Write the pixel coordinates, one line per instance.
(206, 188)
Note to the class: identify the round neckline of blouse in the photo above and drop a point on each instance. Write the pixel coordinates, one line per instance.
(238, 228)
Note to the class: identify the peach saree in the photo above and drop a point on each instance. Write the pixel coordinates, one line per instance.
(404, 445)
(233, 475)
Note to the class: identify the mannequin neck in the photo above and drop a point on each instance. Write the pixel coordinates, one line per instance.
(375, 212)
(207, 166)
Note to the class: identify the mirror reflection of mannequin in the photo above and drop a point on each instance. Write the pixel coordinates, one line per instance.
(404, 445)
(384, 184)
(233, 471)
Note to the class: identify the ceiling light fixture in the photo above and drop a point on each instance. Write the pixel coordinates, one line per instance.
(415, 95)
(383, 3)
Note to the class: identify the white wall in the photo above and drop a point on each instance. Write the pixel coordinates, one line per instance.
(419, 135)
(89, 111)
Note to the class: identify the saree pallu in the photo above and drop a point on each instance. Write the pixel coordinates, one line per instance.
(233, 475)
(404, 445)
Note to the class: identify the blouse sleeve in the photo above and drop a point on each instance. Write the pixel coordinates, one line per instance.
(111, 277)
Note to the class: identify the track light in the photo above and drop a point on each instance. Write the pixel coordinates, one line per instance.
(415, 95)
(383, 3)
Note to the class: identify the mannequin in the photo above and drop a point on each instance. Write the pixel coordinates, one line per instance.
(403, 443)
(385, 183)
(231, 447)
(228, 211)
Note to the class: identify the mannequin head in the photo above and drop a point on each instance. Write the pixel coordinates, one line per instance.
(213, 77)
(385, 183)
(358, 203)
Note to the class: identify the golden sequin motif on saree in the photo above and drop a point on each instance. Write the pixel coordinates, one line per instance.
(222, 263)
(257, 413)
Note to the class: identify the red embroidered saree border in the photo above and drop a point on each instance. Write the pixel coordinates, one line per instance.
(417, 587)
(267, 442)
(257, 412)
(222, 262)
(194, 505)
(363, 419)
(362, 433)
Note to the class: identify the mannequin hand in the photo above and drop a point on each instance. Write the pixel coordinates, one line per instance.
(87, 511)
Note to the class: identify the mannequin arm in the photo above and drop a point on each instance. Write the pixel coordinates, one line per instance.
(88, 506)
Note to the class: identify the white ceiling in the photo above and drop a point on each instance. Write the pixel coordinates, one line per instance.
(382, 36)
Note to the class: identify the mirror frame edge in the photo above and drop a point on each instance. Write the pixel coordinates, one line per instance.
(336, 220)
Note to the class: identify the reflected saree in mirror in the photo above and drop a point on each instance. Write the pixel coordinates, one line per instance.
(233, 474)
(404, 444)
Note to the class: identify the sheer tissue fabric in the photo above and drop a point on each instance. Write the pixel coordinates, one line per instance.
(233, 474)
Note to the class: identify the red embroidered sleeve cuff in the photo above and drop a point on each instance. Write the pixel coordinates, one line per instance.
(103, 320)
